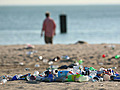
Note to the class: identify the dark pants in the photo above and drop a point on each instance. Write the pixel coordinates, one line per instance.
(48, 40)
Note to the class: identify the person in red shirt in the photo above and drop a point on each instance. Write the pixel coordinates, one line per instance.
(48, 28)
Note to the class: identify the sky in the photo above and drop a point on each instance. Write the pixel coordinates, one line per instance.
(57, 2)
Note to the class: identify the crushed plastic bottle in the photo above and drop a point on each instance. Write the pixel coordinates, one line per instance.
(65, 57)
(45, 61)
(37, 65)
(93, 74)
(83, 78)
(76, 69)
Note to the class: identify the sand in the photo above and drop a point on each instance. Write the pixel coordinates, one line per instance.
(14, 60)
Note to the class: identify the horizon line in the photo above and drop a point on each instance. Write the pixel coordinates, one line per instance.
(57, 4)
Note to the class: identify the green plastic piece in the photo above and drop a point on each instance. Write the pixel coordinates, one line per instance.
(72, 78)
(92, 69)
(80, 61)
(117, 56)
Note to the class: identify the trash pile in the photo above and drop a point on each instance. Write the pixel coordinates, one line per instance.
(72, 73)
(75, 72)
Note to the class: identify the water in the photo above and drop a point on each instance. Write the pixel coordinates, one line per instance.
(90, 23)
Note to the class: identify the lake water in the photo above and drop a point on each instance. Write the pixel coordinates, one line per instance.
(94, 24)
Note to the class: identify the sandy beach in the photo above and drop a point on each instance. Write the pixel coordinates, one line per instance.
(14, 59)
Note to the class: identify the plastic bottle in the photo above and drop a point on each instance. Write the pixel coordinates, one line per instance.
(93, 74)
(76, 69)
(83, 78)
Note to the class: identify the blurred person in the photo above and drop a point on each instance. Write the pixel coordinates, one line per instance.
(48, 28)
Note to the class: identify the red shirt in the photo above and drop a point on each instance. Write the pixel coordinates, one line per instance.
(49, 27)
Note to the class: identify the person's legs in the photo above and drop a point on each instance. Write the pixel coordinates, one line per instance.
(48, 40)
(51, 40)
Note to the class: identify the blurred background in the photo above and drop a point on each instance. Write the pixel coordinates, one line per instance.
(93, 21)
